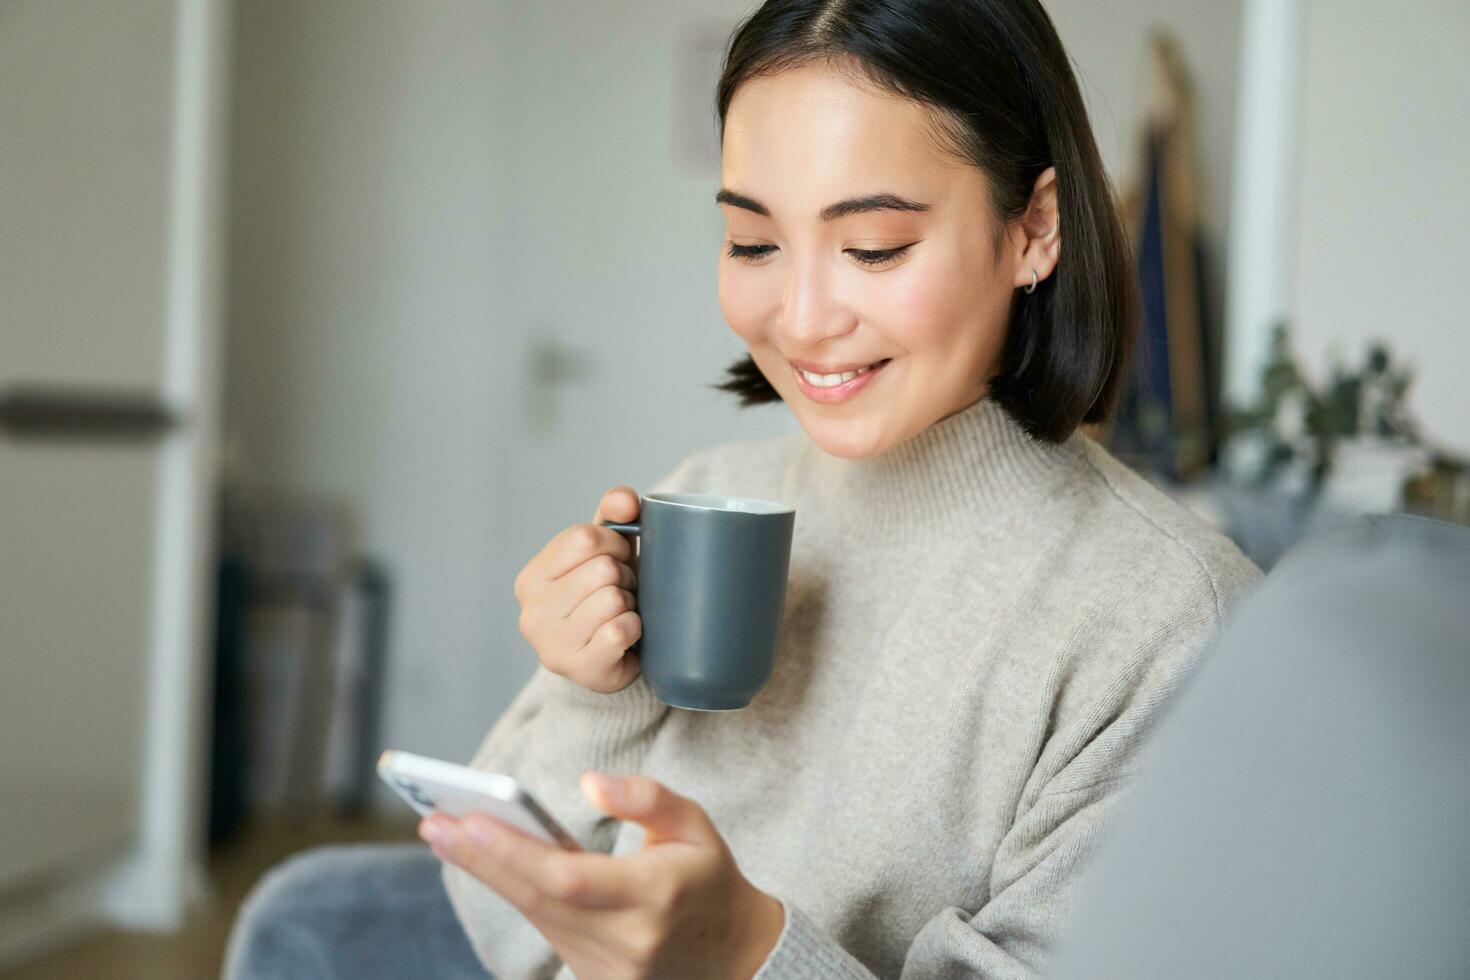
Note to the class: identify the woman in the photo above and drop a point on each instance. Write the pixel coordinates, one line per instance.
(986, 611)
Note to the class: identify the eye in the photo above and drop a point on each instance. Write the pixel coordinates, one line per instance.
(878, 258)
(749, 251)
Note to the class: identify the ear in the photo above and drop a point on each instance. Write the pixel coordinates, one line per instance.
(1036, 234)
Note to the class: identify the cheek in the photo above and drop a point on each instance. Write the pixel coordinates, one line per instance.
(743, 301)
(922, 308)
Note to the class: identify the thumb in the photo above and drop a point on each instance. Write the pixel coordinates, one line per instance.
(618, 504)
(664, 814)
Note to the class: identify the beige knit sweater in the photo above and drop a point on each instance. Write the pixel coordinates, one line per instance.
(979, 631)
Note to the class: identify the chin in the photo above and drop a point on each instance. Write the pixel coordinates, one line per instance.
(839, 437)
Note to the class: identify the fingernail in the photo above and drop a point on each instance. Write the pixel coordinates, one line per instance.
(608, 786)
(435, 833)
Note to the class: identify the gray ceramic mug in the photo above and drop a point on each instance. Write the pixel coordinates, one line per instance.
(711, 590)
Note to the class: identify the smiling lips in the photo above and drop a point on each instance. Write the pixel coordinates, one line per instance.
(832, 388)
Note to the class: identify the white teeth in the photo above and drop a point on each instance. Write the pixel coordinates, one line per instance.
(832, 380)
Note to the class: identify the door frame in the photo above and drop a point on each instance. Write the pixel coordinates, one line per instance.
(152, 887)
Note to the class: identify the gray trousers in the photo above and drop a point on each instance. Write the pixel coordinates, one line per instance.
(360, 910)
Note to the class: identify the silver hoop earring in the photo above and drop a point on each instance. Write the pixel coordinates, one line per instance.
(1031, 288)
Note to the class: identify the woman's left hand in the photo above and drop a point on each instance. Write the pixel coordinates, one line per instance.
(677, 908)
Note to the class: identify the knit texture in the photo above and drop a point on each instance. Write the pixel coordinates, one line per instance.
(979, 632)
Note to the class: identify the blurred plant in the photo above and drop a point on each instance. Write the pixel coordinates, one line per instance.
(1297, 424)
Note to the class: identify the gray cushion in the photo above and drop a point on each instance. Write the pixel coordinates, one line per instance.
(1305, 808)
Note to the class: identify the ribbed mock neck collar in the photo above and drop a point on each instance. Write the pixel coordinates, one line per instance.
(967, 469)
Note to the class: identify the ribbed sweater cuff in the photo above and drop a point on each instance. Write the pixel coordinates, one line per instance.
(805, 952)
(614, 724)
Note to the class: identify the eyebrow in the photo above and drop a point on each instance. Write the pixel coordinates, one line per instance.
(853, 205)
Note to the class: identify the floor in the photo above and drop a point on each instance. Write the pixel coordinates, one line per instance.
(195, 952)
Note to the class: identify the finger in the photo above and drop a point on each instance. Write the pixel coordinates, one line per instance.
(574, 545)
(619, 504)
(622, 672)
(605, 604)
(585, 879)
(666, 815)
(448, 838)
(609, 649)
(564, 596)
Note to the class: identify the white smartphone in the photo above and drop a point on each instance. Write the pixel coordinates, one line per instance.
(430, 785)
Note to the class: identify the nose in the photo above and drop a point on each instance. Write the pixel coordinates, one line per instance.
(811, 312)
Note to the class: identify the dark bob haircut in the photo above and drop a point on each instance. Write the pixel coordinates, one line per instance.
(1003, 88)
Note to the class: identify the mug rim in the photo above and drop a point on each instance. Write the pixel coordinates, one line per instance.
(689, 500)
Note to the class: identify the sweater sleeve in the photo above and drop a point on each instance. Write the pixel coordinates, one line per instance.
(1035, 871)
(552, 732)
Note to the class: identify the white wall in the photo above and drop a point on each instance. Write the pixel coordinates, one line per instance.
(1384, 219)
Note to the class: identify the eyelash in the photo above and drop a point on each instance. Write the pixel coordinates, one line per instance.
(877, 257)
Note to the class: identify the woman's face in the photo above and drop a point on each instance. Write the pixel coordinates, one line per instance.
(916, 285)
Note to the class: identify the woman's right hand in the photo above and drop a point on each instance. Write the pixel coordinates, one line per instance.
(577, 602)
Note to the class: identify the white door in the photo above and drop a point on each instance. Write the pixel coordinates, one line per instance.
(106, 414)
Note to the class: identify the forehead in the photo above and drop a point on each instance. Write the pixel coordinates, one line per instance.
(820, 128)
